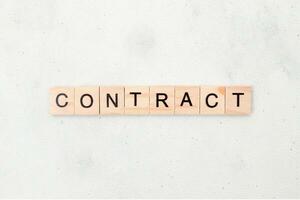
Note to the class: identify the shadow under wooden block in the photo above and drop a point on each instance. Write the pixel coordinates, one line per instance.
(162, 100)
(212, 100)
(238, 100)
(137, 100)
(87, 100)
(61, 100)
(112, 100)
(187, 100)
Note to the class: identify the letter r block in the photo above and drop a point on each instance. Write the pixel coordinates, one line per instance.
(238, 100)
(87, 100)
(61, 101)
(162, 100)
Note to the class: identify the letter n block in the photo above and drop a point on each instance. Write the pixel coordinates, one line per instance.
(112, 100)
(212, 100)
(238, 100)
(87, 100)
(137, 100)
(61, 101)
(162, 100)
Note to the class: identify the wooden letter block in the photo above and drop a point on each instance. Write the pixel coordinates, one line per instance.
(187, 100)
(137, 100)
(61, 100)
(162, 100)
(238, 100)
(212, 100)
(87, 100)
(112, 100)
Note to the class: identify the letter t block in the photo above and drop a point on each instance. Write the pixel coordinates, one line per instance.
(238, 100)
(137, 100)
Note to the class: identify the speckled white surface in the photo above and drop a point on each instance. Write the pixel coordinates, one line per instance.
(139, 42)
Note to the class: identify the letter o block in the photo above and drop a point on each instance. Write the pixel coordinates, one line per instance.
(62, 101)
(87, 101)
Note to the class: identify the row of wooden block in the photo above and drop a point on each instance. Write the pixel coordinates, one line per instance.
(153, 100)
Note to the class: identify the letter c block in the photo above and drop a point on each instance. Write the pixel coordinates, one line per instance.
(212, 100)
(61, 101)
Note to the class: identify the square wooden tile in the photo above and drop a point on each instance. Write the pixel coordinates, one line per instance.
(187, 100)
(212, 100)
(137, 100)
(162, 100)
(61, 100)
(112, 100)
(87, 100)
(238, 100)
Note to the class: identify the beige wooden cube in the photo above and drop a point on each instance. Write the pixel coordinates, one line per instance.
(238, 100)
(212, 100)
(187, 100)
(137, 100)
(112, 100)
(162, 100)
(87, 100)
(61, 100)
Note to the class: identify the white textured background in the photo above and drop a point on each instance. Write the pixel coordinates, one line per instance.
(139, 42)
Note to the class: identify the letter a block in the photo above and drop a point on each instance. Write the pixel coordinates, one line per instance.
(187, 100)
(238, 100)
(112, 100)
(62, 101)
(162, 100)
(87, 100)
(212, 100)
(137, 100)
